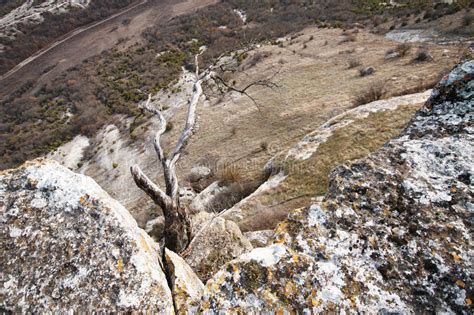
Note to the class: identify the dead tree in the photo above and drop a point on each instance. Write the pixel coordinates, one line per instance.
(177, 225)
(178, 232)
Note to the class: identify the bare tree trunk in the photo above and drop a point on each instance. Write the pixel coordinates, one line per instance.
(178, 232)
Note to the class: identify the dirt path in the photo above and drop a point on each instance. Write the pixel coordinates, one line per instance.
(92, 40)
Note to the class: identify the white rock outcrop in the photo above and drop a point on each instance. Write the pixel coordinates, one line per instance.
(68, 246)
(186, 287)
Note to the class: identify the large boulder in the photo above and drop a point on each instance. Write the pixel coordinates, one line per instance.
(68, 246)
(186, 287)
(393, 235)
(216, 242)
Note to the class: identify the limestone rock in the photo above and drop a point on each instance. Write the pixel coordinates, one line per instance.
(392, 55)
(367, 71)
(186, 196)
(393, 235)
(216, 242)
(202, 201)
(186, 287)
(67, 245)
(198, 173)
(156, 228)
(200, 177)
(259, 238)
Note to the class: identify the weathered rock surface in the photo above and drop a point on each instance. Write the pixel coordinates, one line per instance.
(259, 238)
(186, 287)
(394, 233)
(204, 199)
(216, 242)
(67, 245)
(156, 228)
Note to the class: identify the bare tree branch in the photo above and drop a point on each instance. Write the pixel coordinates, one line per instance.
(160, 131)
(150, 188)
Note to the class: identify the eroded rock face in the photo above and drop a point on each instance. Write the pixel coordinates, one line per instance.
(186, 287)
(216, 242)
(394, 233)
(67, 245)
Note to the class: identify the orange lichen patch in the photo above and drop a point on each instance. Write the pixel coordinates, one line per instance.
(372, 240)
(290, 288)
(205, 305)
(460, 284)
(468, 302)
(355, 206)
(269, 274)
(284, 311)
(235, 269)
(144, 244)
(83, 200)
(353, 301)
(280, 239)
(312, 300)
(455, 257)
(295, 258)
(120, 265)
(281, 228)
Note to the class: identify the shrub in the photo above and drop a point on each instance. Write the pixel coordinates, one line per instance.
(264, 145)
(374, 93)
(366, 71)
(169, 126)
(423, 56)
(114, 165)
(467, 19)
(228, 175)
(232, 194)
(403, 49)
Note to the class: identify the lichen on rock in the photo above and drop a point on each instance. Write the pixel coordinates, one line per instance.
(68, 246)
(393, 234)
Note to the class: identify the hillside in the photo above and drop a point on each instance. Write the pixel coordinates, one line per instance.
(392, 235)
(203, 156)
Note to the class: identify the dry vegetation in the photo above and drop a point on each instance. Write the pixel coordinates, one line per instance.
(374, 93)
(6, 6)
(309, 178)
(34, 121)
(33, 37)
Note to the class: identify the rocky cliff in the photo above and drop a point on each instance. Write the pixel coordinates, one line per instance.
(394, 233)
(66, 245)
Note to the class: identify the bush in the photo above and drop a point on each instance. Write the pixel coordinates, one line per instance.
(403, 49)
(228, 175)
(169, 126)
(374, 93)
(366, 71)
(232, 194)
(423, 56)
(467, 19)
